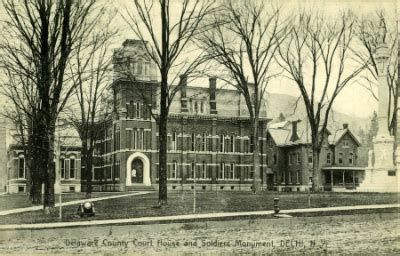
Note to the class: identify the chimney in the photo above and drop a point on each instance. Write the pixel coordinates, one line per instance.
(183, 85)
(294, 136)
(212, 89)
(345, 126)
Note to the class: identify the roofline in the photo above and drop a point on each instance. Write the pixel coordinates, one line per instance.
(351, 134)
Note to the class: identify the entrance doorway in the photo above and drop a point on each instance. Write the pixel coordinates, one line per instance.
(137, 171)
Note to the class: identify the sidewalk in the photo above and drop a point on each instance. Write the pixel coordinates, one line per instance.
(187, 218)
(40, 207)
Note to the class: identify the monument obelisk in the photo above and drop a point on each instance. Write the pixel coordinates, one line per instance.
(381, 174)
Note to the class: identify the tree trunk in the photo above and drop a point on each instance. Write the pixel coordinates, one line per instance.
(88, 170)
(316, 172)
(256, 158)
(49, 193)
(87, 155)
(37, 158)
(162, 139)
(35, 188)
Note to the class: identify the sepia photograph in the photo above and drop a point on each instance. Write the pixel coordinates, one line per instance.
(199, 127)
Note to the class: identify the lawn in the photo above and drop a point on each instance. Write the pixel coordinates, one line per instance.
(13, 201)
(206, 202)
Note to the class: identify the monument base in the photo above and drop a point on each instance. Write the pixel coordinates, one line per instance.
(383, 175)
(380, 180)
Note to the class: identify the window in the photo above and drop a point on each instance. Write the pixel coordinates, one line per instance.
(251, 143)
(135, 139)
(351, 157)
(21, 167)
(298, 158)
(345, 143)
(204, 142)
(310, 157)
(290, 159)
(221, 174)
(62, 168)
(203, 173)
(139, 67)
(328, 158)
(138, 110)
(275, 159)
(193, 170)
(231, 173)
(193, 142)
(221, 143)
(392, 173)
(72, 168)
(173, 146)
(232, 147)
(290, 177)
(202, 107)
(340, 159)
(141, 138)
(129, 138)
(298, 177)
(245, 145)
(173, 174)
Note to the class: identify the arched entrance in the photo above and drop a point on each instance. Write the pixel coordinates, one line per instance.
(138, 169)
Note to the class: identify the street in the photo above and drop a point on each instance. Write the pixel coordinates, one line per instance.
(368, 234)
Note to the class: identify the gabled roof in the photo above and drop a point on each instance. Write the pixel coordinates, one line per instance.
(339, 134)
(282, 132)
(280, 136)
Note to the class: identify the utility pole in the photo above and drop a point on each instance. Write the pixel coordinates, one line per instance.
(58, 169)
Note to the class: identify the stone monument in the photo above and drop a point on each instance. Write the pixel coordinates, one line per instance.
(381, 174)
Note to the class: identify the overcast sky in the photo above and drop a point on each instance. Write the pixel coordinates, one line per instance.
(354, 100)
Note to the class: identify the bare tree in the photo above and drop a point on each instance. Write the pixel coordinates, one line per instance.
(39, 39)
(244, 41)
(317, 56)
(368, 32)
(164, 41)
(22, 103)
(90, 75)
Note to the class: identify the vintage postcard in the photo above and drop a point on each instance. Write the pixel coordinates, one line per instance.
(210, 127)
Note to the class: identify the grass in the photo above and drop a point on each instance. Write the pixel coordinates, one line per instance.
(206, 202)
(13, 201)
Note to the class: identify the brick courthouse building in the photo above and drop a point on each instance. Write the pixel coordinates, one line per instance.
(209, 138)
(209, 133)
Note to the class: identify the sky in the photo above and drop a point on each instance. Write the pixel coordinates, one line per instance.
(354, 100)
